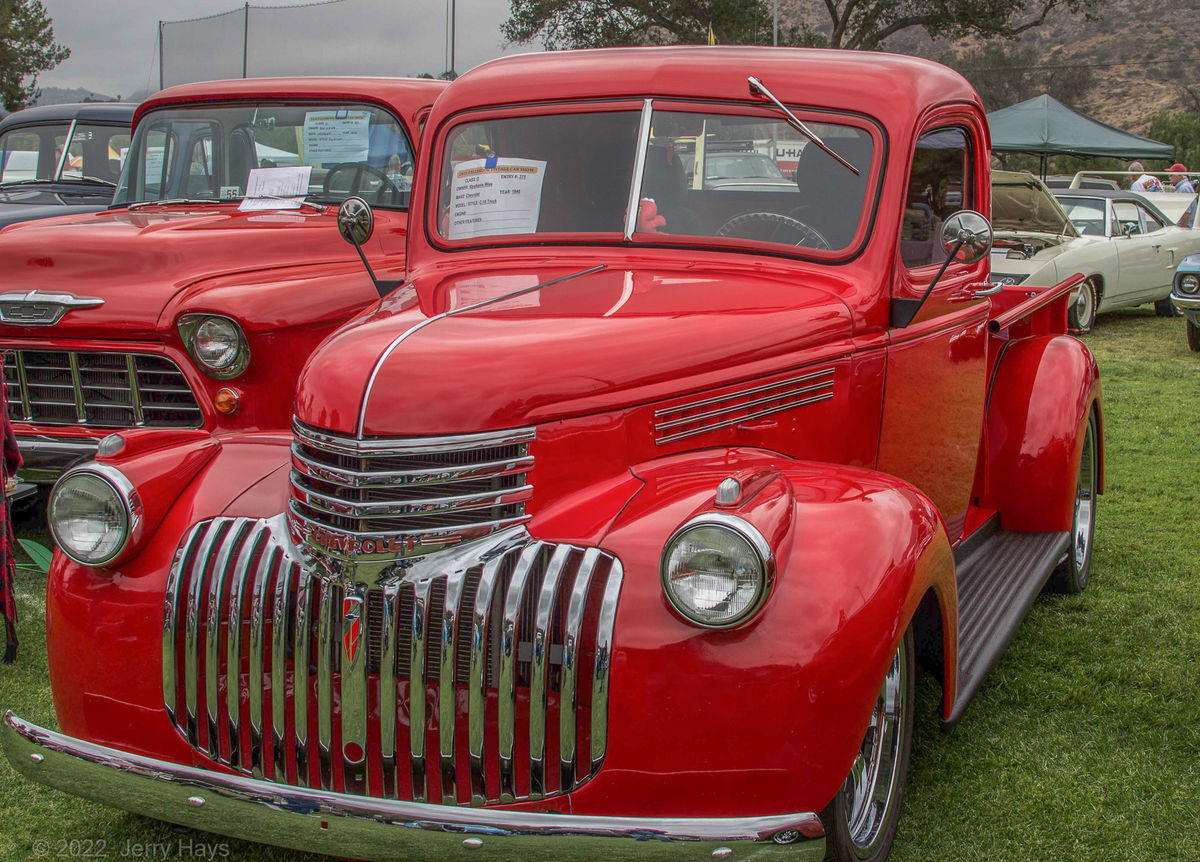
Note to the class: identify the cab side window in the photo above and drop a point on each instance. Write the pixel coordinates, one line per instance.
(938, 186)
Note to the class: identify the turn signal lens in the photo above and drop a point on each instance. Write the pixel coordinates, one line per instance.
(226, 402)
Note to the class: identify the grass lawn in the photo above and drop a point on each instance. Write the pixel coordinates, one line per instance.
(1084, 743)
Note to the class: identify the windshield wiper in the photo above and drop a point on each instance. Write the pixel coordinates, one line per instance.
(757, 88)
(303, 201)
(87, 179)
(166, 202)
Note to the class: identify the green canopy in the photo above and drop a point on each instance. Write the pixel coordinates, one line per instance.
(1048, 127)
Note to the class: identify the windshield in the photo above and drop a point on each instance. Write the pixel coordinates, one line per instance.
(572, 173)
(34, 153)
(206, 152)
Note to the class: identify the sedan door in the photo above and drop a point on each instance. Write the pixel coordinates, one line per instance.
(1143, 265)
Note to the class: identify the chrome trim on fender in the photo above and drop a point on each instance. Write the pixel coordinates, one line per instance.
(353, 826)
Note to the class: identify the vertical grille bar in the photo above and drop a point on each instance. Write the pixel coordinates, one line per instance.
(212, 635)
(267, 563)
(354, 689)
(477, 679)
(325, 685)
(279, 654)
(570, 669)
(185, 561)
(416, 688)
(26, 406)
(191, 661)
(447, 700)
(300, 678)
(602, 665)
(507, 699)
(135, 392)
(537, 682)
(387, 692)
(77, 387)
(233, 635)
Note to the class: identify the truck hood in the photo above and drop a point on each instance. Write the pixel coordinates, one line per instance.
(442, 356)
(136, 261)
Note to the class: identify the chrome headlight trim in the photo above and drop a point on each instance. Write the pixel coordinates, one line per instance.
(1189, 284)
(189, 325)
(126, 494)
(748, 533)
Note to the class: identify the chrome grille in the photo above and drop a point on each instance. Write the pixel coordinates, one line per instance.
(103, 390)
(432, 490)
(282, 674)
(731, 408)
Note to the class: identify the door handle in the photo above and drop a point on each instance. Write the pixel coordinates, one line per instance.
(990, 290)
(975, 291)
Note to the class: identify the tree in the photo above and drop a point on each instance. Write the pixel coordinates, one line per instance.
(27, 47)
(1181, 129)
(607, 23)
(1005, 73)
(845, 23)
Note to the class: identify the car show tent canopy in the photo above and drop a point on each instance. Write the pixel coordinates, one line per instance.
(1047, 127)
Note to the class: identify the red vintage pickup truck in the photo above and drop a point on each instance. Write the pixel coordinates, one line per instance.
(628, 521)
(181, 307)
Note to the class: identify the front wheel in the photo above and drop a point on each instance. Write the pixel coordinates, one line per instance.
(1071, 576)
(860, 822)
(1081, 315)
(1165, 308)
(1193, 337)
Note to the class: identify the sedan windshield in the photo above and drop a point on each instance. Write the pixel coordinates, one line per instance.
(207, 152)
(575, 173)
(35, 153)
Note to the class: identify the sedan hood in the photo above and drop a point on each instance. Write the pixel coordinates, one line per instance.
(1021, 203)
(444, 358)
(135, 261)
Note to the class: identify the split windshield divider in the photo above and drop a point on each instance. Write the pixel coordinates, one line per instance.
(639, 167)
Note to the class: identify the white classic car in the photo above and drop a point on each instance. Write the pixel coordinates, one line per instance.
(1125, 247)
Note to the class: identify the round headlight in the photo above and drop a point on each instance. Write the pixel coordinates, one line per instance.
(1189, 283)
(93, 514)
(717, 570)
(216, 343)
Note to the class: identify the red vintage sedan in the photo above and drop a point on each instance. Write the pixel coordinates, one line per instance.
(628, 521)
(193, 301)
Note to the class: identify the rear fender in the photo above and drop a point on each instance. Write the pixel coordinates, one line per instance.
(856, 552)
(1041, 395)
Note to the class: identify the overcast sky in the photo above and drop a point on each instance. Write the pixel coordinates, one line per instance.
(114, 48)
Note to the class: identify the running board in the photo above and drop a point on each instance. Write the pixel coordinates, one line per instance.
(999, 576)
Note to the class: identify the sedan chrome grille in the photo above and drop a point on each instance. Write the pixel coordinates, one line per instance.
(425, 491)
(98, 389)
(489, 663)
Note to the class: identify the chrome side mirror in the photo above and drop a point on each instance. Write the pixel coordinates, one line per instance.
(355, 220)
(967, 236)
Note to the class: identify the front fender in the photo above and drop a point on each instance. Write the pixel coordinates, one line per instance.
(1042, 392)
(104, 626)
(776, 707)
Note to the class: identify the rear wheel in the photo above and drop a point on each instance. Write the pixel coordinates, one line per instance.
(1081, 314)
(1165, 308)
(1193, 336)
(1071, 576)
(860, 822)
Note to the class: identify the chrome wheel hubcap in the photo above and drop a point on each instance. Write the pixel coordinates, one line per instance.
(1082, 533)
(871, 784)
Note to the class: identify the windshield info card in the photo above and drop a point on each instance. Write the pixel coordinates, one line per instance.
(492, 197)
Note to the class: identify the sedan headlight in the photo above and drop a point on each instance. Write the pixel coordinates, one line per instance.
(1189, 284)
(94, 514)
(217, 344)
(717, 570)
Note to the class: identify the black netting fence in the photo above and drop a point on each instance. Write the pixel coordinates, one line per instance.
(335, 37)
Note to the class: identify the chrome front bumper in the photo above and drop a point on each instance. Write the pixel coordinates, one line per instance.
(1189, 305)
(364, 828)
(46, 458)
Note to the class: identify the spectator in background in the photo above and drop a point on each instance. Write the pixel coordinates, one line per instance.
(1145, 182)
(1180, 179)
